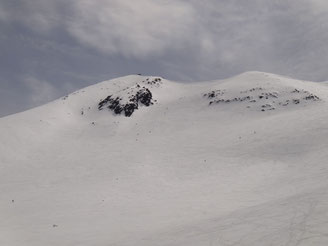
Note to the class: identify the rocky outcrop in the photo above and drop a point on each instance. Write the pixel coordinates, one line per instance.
(262, 98)
(142, 97)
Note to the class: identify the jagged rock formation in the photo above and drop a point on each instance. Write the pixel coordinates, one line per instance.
(137, 96)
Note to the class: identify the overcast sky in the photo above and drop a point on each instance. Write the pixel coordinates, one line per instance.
(49, 48)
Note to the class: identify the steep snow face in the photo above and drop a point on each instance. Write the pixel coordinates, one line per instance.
(145, 161)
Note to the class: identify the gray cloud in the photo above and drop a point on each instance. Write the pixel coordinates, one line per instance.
(70, 44)
(40, 91)
(132, 28)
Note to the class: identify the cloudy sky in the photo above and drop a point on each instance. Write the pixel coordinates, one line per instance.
(49, 48)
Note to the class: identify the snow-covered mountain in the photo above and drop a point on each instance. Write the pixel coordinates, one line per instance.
(143, 161)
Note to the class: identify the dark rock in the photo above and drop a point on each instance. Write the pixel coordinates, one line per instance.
(142, 97)
(129, 109)
(296, 101)
(312, 97)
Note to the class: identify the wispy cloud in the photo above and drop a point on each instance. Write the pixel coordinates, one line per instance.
(221, 33)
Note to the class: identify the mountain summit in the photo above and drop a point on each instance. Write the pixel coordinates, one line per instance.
(141, 160)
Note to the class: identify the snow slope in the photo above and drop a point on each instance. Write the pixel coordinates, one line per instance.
(240, 161)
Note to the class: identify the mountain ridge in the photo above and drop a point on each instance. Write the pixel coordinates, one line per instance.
(180, 171)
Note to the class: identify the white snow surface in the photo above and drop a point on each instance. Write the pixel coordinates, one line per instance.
(179, 172)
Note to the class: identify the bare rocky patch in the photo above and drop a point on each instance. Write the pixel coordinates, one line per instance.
(131, 98)
(262, 99)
